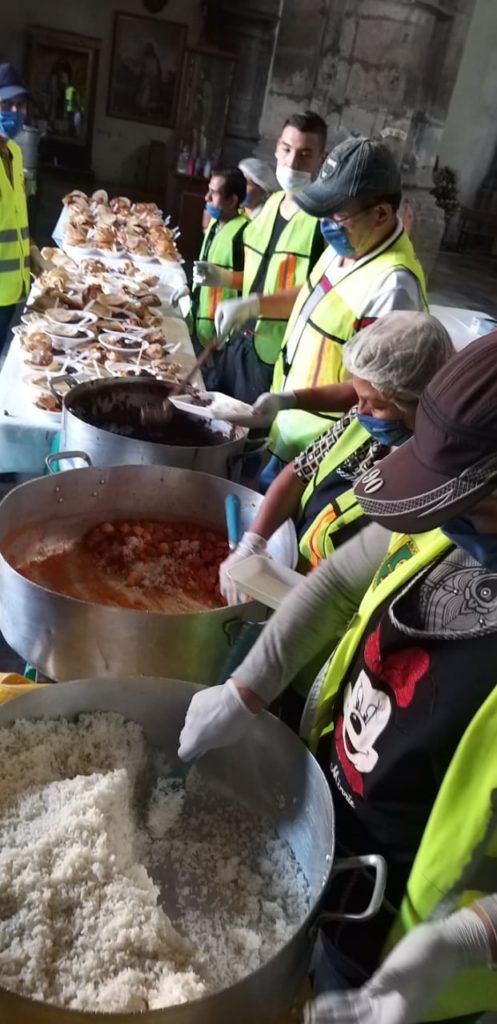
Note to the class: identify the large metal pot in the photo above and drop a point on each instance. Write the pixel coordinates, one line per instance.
(270, 771)
(89, 409)
(65, 637)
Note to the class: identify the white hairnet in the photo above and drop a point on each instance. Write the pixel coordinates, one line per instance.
(260, 172)
(399, 353)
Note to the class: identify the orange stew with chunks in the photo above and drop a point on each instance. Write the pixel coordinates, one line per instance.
(167, 557)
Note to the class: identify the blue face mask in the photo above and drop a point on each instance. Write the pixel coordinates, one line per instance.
(481, 546)
(389, 432)
(11, 122)
(214, 211)
(336, 236)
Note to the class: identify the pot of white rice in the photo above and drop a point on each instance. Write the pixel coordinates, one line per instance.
(129, 891)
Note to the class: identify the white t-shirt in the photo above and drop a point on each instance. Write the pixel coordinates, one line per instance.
(399, 290)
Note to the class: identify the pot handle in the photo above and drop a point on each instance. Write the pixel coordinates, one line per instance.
(54, 457)
(368, 860)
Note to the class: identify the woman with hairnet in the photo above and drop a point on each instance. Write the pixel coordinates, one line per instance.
(402, 717)
(261, 183)
(390, 362)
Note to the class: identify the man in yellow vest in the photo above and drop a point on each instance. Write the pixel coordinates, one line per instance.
(281, 246)
(223, 247)
(402, 717)
(14, 231)
(73, 109)
(369, 268)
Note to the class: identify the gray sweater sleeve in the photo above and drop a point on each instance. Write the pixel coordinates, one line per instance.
(315, 614)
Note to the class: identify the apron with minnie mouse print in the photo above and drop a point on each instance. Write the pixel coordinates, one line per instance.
(411, 699)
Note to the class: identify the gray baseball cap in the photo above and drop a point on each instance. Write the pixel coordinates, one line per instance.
(356, 167)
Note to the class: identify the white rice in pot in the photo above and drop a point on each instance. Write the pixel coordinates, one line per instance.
(105, 910)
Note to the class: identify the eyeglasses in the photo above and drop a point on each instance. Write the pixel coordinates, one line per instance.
(350, 216)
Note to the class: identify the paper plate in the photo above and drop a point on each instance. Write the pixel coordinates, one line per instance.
(116, 343)
(65, 341)
(70, 317)
(231, 410)
(47, 414)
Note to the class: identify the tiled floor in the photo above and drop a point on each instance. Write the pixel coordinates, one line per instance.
(465, 280)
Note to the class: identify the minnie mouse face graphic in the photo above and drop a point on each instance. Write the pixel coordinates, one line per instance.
(366, 713)
(367, 709)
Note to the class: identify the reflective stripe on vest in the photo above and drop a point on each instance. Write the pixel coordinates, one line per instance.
(11, 235)
(287, 267)
(457, 857)
(323, 318)
(6, 266)
(220, 253)
(14, 231)
(407, 555)
(318, 540)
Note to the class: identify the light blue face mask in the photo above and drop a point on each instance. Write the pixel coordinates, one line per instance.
(388, 432)
(214, 211)
(11, 122)
(481, 546)
(336, 236)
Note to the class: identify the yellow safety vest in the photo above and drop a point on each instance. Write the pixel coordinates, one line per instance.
(220, 252)
(457, 858)
(14, 231)
(311, 354)
(318, 541)
(70, 96)
(288, 266)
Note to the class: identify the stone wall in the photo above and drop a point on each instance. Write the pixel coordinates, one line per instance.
(367, 65)
(469, 142)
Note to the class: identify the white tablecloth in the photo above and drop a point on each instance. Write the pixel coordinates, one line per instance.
(26, 433)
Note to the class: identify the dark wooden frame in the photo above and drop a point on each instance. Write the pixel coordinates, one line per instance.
(41, 37)
(159, 23)
(195, 56)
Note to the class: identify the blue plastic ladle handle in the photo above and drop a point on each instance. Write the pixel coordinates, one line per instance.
(232, 509)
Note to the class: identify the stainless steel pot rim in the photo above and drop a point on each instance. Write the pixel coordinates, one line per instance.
(232, 432)
(306, 927)
(132, 611)
(51, 630)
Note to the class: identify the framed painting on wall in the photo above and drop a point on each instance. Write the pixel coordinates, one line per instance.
(145, 74)
(61, 73)
(205, 97)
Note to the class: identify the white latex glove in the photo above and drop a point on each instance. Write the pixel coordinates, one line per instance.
(403, 989)
(210, 275)
(267, 406)
(217, 717)
(250, 544)
(233, 313)
(178, 294)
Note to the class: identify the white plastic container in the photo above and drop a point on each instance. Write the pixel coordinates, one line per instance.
(28, 141)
